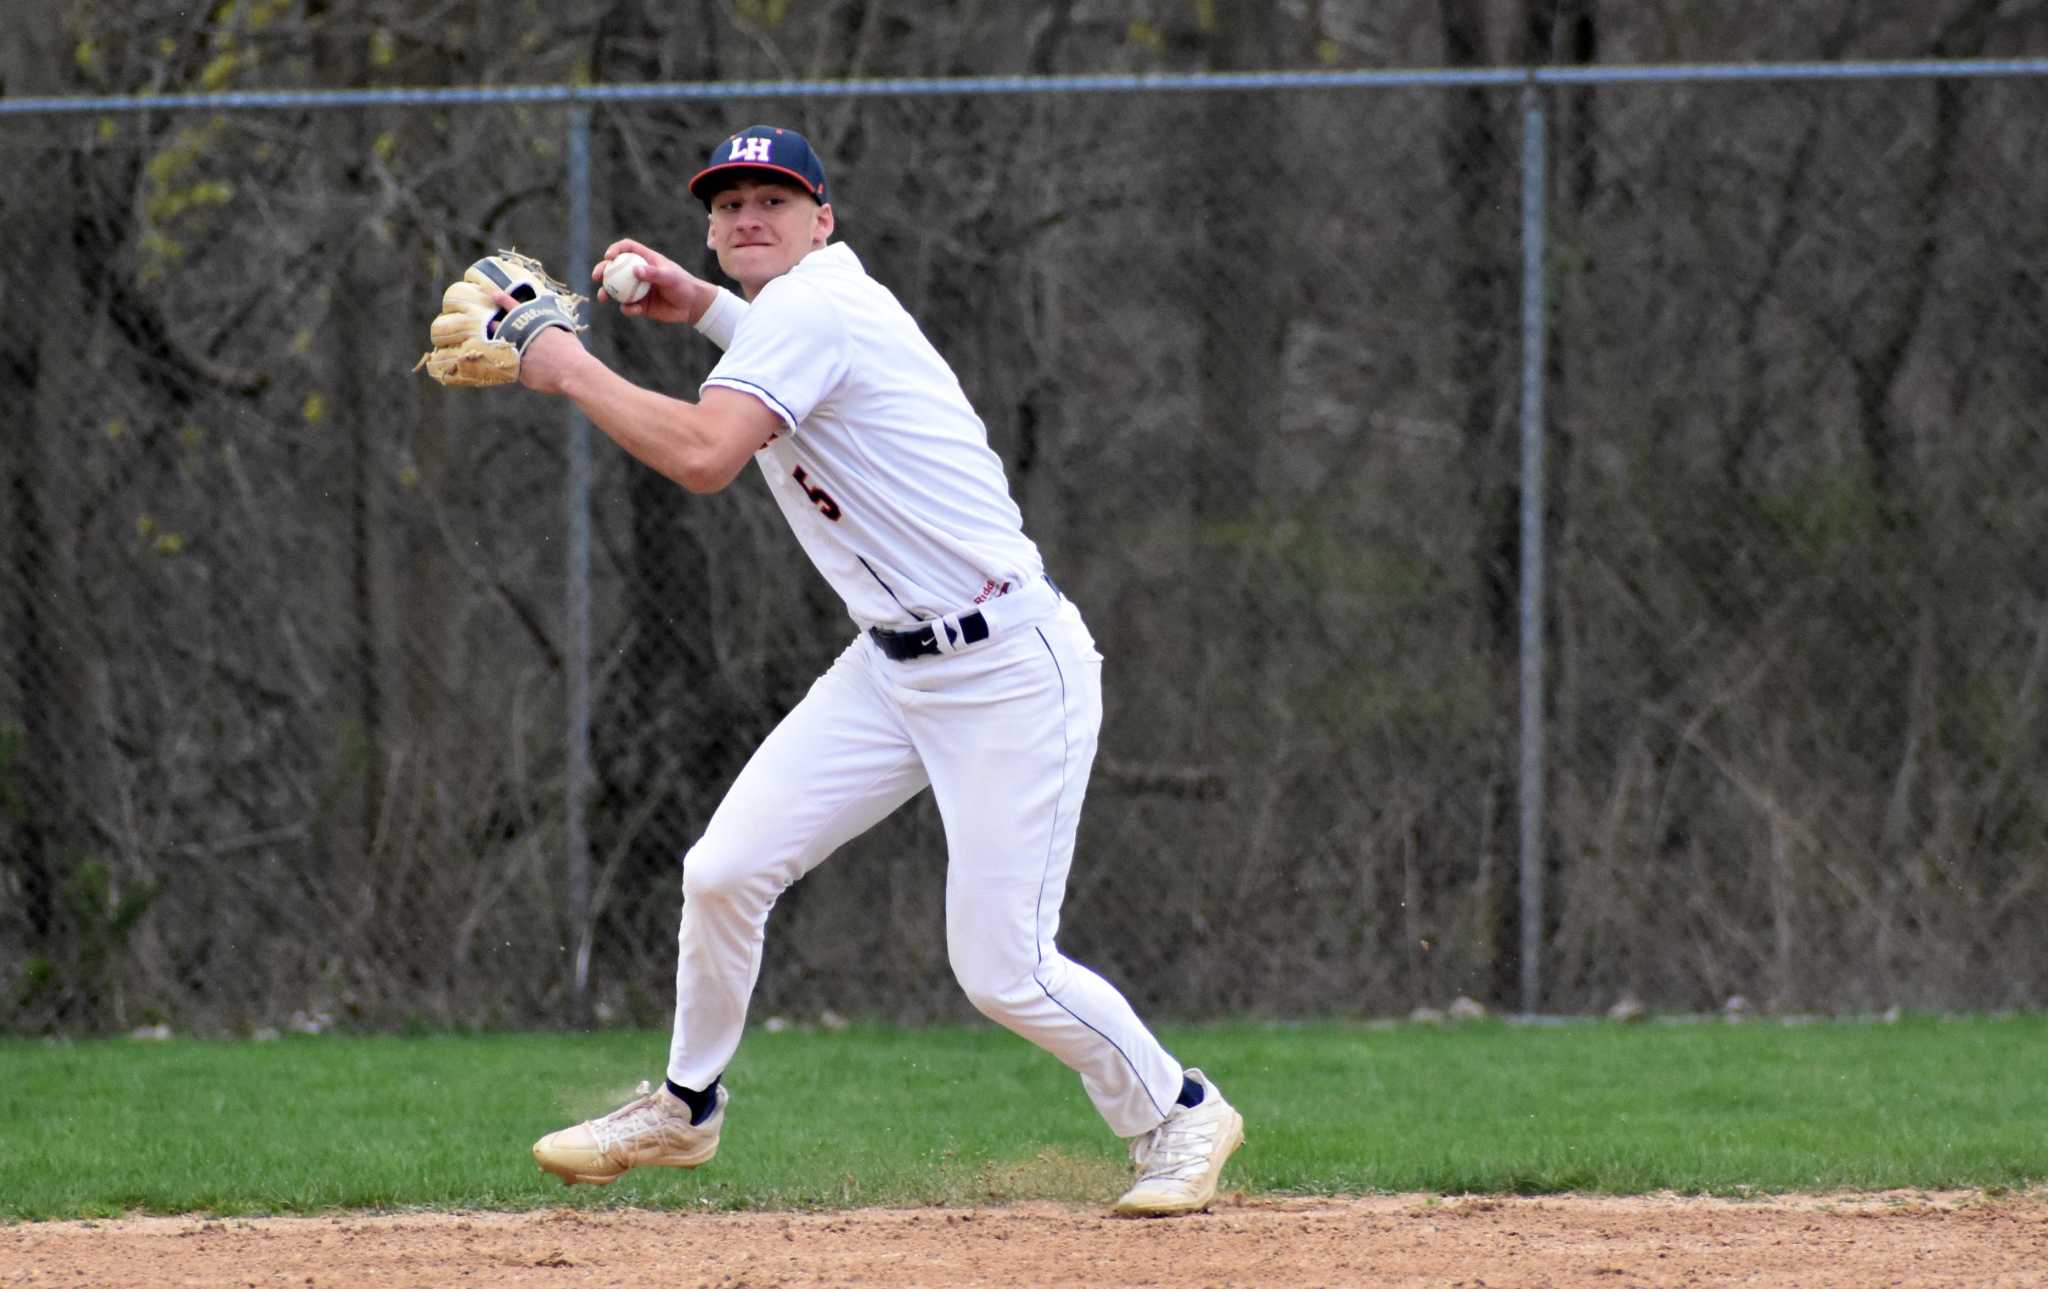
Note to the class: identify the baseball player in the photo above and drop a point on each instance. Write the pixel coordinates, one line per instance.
(971, 673)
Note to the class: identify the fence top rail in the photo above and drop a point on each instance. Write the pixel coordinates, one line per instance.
(1100, 83)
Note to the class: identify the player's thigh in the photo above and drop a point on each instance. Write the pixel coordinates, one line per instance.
(1009, 764)
(838, 763)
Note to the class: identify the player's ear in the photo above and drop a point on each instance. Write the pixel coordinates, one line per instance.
(822, 233)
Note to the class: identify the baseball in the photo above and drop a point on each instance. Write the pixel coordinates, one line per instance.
(619, 282)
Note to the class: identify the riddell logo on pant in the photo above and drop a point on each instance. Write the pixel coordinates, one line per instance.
(989, 591)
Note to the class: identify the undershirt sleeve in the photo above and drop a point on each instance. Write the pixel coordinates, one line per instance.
(722, 318)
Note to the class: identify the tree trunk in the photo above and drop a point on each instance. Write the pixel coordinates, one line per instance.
(1241, 329)
(1561, 31)
(341, 60)
(1481, 309)
(45, 762)
(662, 724)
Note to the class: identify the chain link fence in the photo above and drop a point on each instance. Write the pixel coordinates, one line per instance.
(284, 655)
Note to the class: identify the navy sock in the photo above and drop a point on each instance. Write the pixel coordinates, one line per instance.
(701, 1103)
(1190, 1093)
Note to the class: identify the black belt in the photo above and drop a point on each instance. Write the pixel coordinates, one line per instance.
(923, 641)
(919, 642)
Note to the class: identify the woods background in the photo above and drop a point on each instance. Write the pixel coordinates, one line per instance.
(281, 624)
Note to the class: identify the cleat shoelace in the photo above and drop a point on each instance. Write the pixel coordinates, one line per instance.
(1176, 1149)
(634, 1119)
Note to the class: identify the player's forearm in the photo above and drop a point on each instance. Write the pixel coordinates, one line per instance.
(666, 434)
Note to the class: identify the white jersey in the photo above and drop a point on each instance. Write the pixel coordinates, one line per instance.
(883, 469)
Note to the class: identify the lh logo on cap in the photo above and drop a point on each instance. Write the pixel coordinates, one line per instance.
(756, 149)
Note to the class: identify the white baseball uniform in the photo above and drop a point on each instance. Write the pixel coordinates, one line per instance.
(885, 474)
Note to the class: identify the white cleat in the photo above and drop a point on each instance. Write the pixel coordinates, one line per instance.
(653, 1129)
(1180, 1160)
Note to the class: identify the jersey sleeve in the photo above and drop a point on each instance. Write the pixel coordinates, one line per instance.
(790, 350)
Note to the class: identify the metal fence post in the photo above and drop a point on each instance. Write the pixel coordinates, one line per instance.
(1534, 321)
(577, 606)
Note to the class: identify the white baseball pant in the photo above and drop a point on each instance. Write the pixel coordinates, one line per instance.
(1004, 733)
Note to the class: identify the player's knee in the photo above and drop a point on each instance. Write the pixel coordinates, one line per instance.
(716, 875)
(997, 989)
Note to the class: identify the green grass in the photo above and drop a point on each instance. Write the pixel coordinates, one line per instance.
(872, 1115)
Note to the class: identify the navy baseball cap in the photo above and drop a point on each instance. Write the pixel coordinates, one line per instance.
(784, 153)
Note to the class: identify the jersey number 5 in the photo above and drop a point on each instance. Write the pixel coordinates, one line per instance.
(819, 497)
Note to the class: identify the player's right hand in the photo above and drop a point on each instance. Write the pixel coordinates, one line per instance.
(674, 294)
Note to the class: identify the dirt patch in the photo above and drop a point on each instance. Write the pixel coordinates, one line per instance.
(1892, 1239)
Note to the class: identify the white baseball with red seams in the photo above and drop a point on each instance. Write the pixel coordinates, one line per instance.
(885, 474)
(621, 283)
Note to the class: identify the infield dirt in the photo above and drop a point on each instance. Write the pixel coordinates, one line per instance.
(1913, 1238)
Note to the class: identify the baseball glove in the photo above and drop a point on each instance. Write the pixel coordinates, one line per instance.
(478, 344)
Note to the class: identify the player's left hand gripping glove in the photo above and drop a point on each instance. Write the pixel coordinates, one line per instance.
(477, 343)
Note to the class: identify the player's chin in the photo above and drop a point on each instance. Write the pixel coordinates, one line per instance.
(754, 266)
